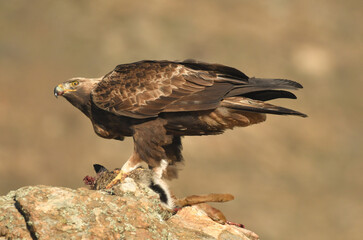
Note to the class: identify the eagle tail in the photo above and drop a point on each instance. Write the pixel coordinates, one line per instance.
(246, 104)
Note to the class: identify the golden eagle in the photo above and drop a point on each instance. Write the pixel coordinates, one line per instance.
(158, 102)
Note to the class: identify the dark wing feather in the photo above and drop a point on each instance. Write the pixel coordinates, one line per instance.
(257, 106)
(224, 71)
(269, 95)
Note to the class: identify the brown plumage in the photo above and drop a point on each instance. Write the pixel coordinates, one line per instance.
(158, 102)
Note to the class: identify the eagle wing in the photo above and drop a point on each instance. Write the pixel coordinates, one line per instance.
(145, 89)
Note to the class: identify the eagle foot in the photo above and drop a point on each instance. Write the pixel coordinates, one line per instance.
(119, 178)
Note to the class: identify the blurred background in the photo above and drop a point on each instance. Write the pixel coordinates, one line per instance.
(292, 178)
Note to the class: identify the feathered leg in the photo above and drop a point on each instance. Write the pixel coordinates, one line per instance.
(174, 156)
(149, 139)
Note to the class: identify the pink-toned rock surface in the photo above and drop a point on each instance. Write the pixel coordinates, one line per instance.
(42, 212)
(194, 218)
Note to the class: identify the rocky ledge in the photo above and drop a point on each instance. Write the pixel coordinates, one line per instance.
(134, 211)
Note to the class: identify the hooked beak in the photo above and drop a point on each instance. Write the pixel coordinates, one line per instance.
(58, 90)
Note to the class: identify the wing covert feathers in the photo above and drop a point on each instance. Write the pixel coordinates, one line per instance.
(145, 89)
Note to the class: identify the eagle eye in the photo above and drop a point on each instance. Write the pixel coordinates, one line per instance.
(74, 83)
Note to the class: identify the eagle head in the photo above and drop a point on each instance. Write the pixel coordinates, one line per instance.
(77, 90)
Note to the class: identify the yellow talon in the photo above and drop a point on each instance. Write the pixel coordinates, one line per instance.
(119, 178)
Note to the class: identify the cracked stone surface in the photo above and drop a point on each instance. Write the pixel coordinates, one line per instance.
(134, 212)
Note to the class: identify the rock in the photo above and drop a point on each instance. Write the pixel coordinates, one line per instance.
(193, 218)
(43, 212)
